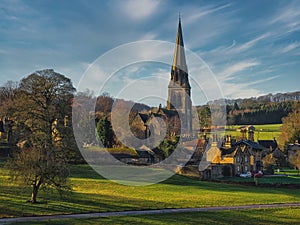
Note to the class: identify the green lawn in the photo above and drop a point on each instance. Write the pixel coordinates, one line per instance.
(288, 171)
(292, 179)
(129, 151)
(92, 193)
(247, 217)
(262, 132)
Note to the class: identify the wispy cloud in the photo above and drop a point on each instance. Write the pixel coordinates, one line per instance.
(247, 45)
(236, 68)
(289, 48)
(202, 12)
(287, 17)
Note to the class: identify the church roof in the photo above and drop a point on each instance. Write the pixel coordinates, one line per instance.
(144, 117)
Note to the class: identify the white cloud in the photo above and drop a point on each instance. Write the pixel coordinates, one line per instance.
(287, 18)
(139, 10)
(243, 47)
(232, 91)
(203, 11)
(244, 90)
(237, 67)
(262, 80)
(289, 47)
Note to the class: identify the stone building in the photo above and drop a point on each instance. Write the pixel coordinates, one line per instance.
(226, 159)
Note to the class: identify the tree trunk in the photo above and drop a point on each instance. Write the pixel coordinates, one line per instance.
(35, 189)
(34, 194)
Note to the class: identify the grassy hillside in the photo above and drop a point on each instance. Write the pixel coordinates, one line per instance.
(92, 193)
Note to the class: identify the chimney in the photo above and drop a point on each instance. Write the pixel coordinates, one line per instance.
(251, 135)
(214, 141)
(228, 141)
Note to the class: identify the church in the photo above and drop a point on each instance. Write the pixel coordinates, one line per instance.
(178, 111)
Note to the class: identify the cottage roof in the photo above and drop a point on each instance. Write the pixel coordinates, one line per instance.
(250, 143)
(277, 153)
(293, 146)
(144, 153)
(268, 143)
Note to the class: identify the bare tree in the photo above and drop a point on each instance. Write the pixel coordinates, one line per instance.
(43, 102)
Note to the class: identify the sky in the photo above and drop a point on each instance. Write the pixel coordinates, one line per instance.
(250, 48)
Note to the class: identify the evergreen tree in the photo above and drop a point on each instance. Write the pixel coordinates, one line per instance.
(105, 133)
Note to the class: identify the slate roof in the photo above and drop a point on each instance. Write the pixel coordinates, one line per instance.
(268, 143)
(277, 153)
(144, 153)
(293, 147)
(250, 143)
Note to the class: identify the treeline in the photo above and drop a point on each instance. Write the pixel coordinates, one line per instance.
(250, 111)
(257, 112)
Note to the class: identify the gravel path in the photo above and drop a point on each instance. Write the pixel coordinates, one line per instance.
(143, 212)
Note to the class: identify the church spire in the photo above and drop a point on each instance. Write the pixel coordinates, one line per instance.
(179, 61)
(179, 89)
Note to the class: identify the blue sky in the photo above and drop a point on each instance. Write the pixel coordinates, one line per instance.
(252, 47)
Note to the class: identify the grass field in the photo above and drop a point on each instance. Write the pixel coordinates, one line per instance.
(247, 217)
(292, 179)
(262, 132)
(92, 193)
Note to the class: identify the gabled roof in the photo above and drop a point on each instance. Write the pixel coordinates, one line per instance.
(268, 143)
(277, 153)
(144, 117)
(251, 144)
(229, 152)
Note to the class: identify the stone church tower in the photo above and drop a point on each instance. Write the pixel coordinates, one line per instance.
(179, 89)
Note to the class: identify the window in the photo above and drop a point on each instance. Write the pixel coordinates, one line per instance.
(238, 169)
(246, 159)
(238, 159)
(246, 168)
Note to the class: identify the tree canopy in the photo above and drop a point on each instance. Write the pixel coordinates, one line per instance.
(290, 130)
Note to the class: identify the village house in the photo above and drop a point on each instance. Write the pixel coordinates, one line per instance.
(230, 159)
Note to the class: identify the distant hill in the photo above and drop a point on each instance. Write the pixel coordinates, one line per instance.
(279, 97)
(266, 109)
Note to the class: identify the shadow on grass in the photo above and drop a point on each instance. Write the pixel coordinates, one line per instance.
(92, 193)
